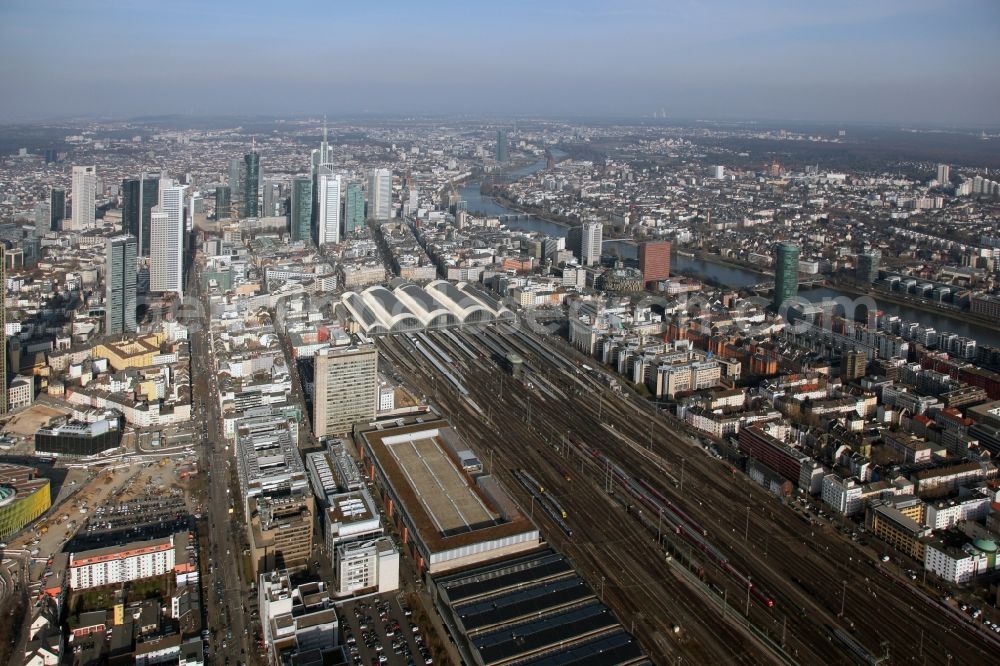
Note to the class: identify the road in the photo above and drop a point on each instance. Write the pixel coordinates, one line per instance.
(225, 592)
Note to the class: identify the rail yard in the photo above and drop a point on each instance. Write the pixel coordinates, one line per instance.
(698, 562)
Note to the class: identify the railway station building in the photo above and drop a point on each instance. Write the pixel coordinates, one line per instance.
(449, 517)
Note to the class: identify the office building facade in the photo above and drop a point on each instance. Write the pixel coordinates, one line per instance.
(166, 267)
(354, 208)
(84, 197)
(328, 200)
(590, 243)
(139, 196)
(251, 183)
(503, 146)
(786, 273)
(120, 285)
(300, 211)
(223, 202)
(654, 261)
(345, 386)
(57, 208)
(868, 265)
(380, 194)
(3, 328)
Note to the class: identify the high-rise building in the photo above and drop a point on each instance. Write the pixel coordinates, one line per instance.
(235, 177)
(272, 198)
(345, 388)
(354, 208)
(328, 200)
(3, 328)
(379, 194)
(300, 213)
(223, 202)
(120, 285)
(718, 172)
(251, 183)
(43, 217)
(853, 365)
(322, 156)
(84, 197)
(786, 273)
(654, 261)
(139, 196)
(503, 146)
(590, 243)
(868, 265)
(57, 206)
(943, 174)
(166, 259)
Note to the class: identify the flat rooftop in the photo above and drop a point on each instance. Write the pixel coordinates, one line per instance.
(440, 487)
(447, 509)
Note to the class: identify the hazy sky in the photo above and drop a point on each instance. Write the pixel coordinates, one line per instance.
(843, 60)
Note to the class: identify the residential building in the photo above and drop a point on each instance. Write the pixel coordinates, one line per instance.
(121, 564)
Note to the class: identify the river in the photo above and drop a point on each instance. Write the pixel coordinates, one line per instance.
(733, 277)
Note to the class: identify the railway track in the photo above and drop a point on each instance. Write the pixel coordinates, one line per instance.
(804, 569)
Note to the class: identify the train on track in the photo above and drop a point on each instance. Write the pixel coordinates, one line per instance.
(550, 505)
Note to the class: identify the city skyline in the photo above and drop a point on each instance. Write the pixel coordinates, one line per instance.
(855, 62)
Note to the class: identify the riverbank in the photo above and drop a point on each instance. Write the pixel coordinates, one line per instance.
(916, 304)
(722, 261)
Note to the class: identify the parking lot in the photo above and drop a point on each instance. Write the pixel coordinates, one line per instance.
(378, 630)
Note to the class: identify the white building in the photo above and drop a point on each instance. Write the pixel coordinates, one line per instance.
(367, 565)
(351, 517)
(944, 514)
(295, 620)
(956, 565)
(718, 172)
(328, 215)
(84, 197)
(166, 240)
(120, 564)
(590, 243)
(380, 194)
(845, 496)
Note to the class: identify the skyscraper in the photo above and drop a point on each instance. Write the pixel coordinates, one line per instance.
(300, 215)
(139, 196)
(272, 198)
(590, 243)
(84, 197)
(3, 328)
(120, 285)
(345, 387)
(235, 177)
(853, 365)
(223, 202)
(868, 264)
(379, 194)
(786, 273)
(57, 206)
(654, 261)
(328, 200)
(502, 146)
(354, 208)
(943, 174)
(251, 182)
(166, 268)
(43, 218)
